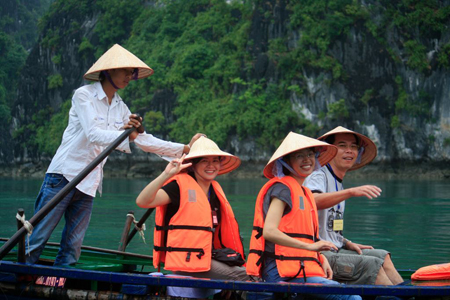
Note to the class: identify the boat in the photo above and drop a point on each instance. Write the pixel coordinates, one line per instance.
(110, 274)
(117, 274)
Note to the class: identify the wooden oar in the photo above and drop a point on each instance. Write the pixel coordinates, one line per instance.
(102, 250)
(139, 225)
(63, 192)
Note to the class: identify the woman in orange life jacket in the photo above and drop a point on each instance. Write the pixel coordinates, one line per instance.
(284, 245)
(193, 216)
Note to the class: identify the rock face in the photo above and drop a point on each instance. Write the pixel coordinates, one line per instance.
(369, 66)
(48, 60)
(376, 76)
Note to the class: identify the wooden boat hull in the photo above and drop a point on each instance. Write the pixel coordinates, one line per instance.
(109, 274)
(139, 284)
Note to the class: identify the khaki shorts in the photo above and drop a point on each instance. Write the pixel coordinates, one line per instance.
(351, 268)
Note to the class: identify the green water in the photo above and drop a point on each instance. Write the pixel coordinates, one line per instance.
(411, 218)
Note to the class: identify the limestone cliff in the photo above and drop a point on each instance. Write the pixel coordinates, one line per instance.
(372, 83)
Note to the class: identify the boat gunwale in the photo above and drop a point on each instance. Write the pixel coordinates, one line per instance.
(154, 280)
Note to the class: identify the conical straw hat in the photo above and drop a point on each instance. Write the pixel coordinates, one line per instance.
(370, 150)
(117, 57)
(206, 147)
(294, 142)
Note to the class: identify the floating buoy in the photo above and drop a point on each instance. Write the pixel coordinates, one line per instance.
(433, 272)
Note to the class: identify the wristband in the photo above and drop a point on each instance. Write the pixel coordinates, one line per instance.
(345, 242)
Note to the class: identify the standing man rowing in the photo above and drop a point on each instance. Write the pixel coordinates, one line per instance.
(97, 118)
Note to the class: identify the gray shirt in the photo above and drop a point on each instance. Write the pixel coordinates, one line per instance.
(325, 181)
(282, 192)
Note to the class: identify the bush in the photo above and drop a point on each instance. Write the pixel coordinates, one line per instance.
(55, 81)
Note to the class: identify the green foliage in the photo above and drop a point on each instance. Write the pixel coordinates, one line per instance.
(416, 22)
(26, 15)
(51, 38)
(296, 89)
(199, 50)
(49, 135)
(419, 107)
(5, 116)
(277, 48)
(417, 56)
(402, 100)
(322, 22)
(446, 142)
(27, 133)
(368, 95)
(56, 59)
(428, 16)
(416, 108)
(444, 56)
(85, 47)
(115, 21)
(62, 8)
(154, 121)
(265, 113)
(55, 81)
(395, 122)
(199, 111)
(338, 110)
(12, 57)
(196, 48)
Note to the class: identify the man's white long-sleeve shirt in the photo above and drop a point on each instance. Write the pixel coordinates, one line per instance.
(93, 125)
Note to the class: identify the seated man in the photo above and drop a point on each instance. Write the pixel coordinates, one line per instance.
(353, 263)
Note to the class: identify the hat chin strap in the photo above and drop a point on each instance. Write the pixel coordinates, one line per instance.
(317, 164)
(107, 76)
(278, 168)
(360, 153)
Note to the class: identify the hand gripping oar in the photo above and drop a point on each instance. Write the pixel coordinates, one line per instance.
(62, 193)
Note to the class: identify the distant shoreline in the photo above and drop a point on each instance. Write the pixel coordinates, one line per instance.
(248, 169)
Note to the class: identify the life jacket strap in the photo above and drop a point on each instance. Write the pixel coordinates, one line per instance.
(263, 254)
(302, 268)
(300, 258)
(303, 236)
(259, 253)
(200, 251)
(259, 230)
(295, 235)
(188, 227)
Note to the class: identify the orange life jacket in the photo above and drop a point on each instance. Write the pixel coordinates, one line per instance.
(190, 231)
(300, 223)
(433, 272)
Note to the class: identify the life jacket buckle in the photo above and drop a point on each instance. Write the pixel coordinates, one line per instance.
(188, 257)
(259, 233)
(200, 254)
(302, 268)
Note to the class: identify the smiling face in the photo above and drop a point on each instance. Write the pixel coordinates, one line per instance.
(303, 161)
(121, 77)
(207, 168)
(347, 151)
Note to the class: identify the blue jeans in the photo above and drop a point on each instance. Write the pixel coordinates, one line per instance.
(270, 274)
(76, 208)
